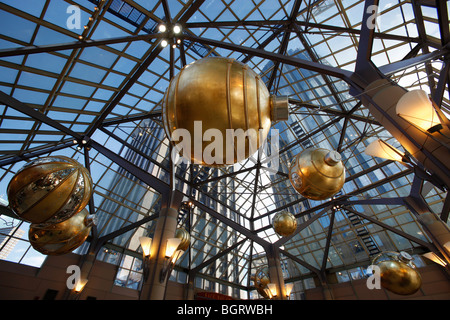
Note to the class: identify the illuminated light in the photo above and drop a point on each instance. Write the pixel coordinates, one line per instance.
(176, 29)
(272, 288)
(172, 246)
(146, 244)
(162, 28)
(289, 287)
(433, 257)
(381, 149)
(416, 107)
(164, 43)
(80, 285)
(269, 294)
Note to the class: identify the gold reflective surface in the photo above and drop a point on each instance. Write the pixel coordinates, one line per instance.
(261, 279)
(284, 223)
(63, 237)
(317, 173)
(224, 94)
(398, 275)
(49, 190)
(182, 234)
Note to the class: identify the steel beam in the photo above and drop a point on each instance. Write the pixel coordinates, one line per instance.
(302, 226)
(139, 117)
(285, 25)
(401, 65)
(300, 261)
(142, 68)
(36, 153)
(232, 224)
(299, 63)
(75, 45)
(444, 78)
(39, 116)
(328, 242)
(217, 256)
(392, 229)
(159, 185)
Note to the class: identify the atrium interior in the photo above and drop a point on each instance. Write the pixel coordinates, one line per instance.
(90, 79)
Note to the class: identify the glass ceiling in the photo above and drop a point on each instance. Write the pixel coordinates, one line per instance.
(96, 70)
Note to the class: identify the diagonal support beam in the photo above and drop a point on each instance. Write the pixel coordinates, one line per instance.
(75, 45)
(392, 229)
(364, 66)
(300, 63)
(33, 113)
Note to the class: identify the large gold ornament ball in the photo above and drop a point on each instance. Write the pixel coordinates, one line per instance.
(397, 272)
(49, 190)
(213, 99)
(261, 279)
(63, 237)
(317, 173)
(284, 223)
(185, 238)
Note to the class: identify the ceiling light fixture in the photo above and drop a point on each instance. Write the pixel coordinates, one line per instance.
(418, 109)
(162, 28)
(176, 29)
(381, 149)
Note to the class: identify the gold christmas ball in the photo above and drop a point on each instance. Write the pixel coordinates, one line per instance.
(49, 190)
(185, 237)
(317, 173)
(218, 112)
(261, 279)
(397, 272)
(284, 223)
(63, 237)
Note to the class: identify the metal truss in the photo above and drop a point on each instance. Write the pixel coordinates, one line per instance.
(357, 80)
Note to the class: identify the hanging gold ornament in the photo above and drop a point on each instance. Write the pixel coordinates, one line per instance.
(317, 173)
(49, 190)
(63, 237)
(261, 280)
(398, 273)
(284, 223)
(213, 99)
(185, 237)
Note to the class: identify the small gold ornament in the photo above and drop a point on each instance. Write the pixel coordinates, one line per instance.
(398, 273)
(284, 223)
(317, 173)
(63, 237)
(185, 237)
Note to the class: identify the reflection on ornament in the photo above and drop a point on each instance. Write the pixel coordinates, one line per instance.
(63, 237)
(284, 223)
(398, 273)
(213, 98)
(317, 173)
(261, 280)
(49, 190)
(185, 237)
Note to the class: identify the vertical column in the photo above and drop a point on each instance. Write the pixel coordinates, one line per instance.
(275, 271)
(153, 288)
(431, 150)
(189, 288)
